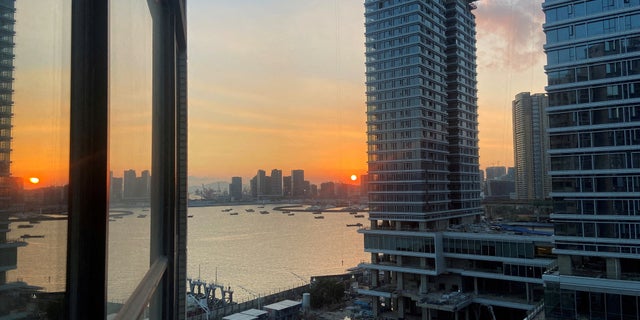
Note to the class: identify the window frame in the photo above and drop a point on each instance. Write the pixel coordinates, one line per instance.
(162, 288)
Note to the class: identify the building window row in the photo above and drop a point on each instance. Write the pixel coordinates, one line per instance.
(397, 187)
(563, 304)
(580, 9)
(406, 208)
(602, 247)
(595, 94)
(596, 184)
(619, 230)
(409, 113)
(399, 243)
(594, 116)
(595, 72)
(606, 138)
(623, 207)
(508, 249)
(598, 161)
(592, 50)
(582, 30)
(373, 25)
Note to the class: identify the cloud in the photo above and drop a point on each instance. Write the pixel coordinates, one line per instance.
(509, 34)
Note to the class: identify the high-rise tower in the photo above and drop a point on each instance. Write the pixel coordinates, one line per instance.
(530, 146)
(422, 112)
(422, 142)
(8, 186)
(593, 68)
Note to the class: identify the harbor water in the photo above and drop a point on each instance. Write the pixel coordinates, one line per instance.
(255, 254)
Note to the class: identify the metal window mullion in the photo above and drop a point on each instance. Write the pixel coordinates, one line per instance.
(87, 239)
(163, 201)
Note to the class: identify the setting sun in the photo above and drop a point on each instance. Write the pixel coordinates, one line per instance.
(354, 177)
(34, 180)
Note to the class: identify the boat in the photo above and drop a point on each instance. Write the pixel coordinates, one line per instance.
(317, 212)
(110, 219)
(353, 212)
(249, 210)
(354, 224)
(145, 209)
(264, 212)
(226, 210)
(142, 215)
(318, 217)
(359, 216)
(233, 214)
(286, 211)
(291, 214)
(190, 216)
(23, 226)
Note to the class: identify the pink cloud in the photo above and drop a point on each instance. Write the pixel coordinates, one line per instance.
(509, 33)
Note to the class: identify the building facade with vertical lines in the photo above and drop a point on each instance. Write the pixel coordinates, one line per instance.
(593, 68)
(432, 254)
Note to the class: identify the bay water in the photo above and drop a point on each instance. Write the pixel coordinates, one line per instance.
(254, 254)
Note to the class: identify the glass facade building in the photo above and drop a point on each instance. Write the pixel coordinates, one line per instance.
(593, 68)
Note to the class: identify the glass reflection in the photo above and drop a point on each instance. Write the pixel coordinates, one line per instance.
(130, 147)
(34, 130)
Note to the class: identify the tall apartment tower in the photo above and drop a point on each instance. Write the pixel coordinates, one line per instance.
(8, 186)
(593, 68)
(530, 143)
(7, 21)
(422, 147)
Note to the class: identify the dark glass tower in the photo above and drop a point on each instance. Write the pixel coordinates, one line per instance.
(593, 68)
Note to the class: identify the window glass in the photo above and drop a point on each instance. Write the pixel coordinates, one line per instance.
(34, 139)
(130, 95)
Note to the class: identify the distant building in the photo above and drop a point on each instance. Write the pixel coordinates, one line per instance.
(286, 186)
(136, 188)
(327, 190)
(115, 194)
(276, 183)
(235, 188)
(530, 143)
(261, 183)
(129, 184)
(297, 183)
(495, 172)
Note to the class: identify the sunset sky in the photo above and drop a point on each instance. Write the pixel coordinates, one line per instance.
(272, 84)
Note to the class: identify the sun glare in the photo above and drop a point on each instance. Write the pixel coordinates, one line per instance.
(354, 177)
(34, 180)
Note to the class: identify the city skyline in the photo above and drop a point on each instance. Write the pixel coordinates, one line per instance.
(265, 60)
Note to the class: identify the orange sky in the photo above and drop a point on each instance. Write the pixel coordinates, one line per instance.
(272, 84)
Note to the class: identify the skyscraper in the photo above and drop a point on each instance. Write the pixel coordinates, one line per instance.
(8, 186)
(432, 255)
(530, 146)
(593, 68)
(297, 183)
(276, 182)
(235, 188)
